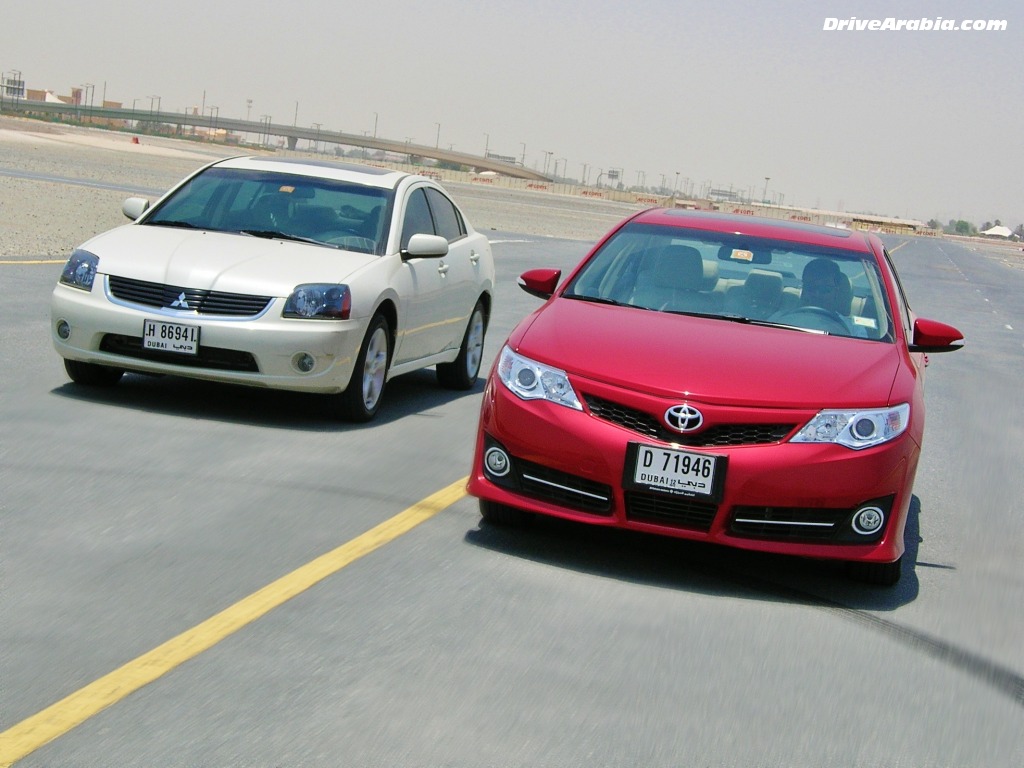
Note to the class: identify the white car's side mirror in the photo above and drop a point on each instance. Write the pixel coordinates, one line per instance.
(425, 246)
(134, 207)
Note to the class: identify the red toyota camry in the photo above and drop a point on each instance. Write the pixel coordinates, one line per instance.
(748, 382)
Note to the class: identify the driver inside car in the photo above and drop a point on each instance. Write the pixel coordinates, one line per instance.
(825, 286)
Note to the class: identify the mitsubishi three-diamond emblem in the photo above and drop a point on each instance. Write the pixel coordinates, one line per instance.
(180, 302)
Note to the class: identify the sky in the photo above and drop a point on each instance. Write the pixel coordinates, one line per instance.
(924, 124)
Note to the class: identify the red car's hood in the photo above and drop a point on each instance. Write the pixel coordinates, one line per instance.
(713, 361)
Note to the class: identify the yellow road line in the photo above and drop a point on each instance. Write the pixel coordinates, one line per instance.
(34, 261)
(59, 718)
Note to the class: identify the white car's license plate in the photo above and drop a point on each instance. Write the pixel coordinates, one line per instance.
(670, 470)
(170, 337)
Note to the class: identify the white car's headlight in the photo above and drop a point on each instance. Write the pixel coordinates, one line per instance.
(329, 301)
(856, 429)
(80, 271)
(531, 380)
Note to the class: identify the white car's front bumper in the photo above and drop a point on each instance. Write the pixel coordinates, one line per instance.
(261, 351)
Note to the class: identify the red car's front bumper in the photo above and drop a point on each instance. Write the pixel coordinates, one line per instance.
(782, 497)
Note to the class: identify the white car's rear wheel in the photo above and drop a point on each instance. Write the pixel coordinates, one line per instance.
(461, 373)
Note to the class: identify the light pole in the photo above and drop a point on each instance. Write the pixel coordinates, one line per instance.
(487, 143)
(316, 143)
(12, 83)
(375, 125)
(764, 194)
(265, 121)
(522, 162)
(214, 114)
(437, 141)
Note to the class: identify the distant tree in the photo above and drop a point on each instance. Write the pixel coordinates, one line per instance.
(998, 223)
(963, 227)
(987, 226)
(1019, 231)
(934, 224)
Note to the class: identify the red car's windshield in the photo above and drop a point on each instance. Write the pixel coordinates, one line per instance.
(690, 271)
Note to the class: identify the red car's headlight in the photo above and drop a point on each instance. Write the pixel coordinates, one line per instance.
(531, 380)
(856, 429)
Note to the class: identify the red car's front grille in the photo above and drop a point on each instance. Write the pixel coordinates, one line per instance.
(720, 435)
(664, 509)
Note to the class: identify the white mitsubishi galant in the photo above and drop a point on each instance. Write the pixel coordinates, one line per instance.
(297, 275)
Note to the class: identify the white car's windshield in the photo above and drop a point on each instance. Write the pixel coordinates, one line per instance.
(294, 207)
(669, 269)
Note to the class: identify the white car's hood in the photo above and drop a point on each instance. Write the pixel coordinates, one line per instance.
(220, 261)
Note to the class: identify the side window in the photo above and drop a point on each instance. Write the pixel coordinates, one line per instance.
(446, 216)
(417, 220)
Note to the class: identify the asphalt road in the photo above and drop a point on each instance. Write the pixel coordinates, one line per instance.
(132, 516)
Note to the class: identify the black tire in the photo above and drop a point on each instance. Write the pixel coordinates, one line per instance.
(501, 515)
(362, 397)
(462, 372)
(92, 375)
(878, 574)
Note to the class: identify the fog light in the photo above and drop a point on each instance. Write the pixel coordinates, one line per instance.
(868, 520)
(63, 330)
(304, 362)
(497, 463)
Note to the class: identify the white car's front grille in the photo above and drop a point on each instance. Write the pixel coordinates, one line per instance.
(176, 297)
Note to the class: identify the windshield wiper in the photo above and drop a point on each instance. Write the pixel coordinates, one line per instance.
(170, 223)
(596, 300)
(273, 234)
(754, 321)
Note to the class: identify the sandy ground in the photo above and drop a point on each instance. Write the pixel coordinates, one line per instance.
(44, 213)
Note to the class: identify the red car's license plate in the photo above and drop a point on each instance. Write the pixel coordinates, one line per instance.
(670, 470)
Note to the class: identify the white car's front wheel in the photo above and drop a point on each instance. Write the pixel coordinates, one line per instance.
(362, 397)
(92, 375)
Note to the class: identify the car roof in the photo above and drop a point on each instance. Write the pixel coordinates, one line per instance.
(367, 175)
(755, 226)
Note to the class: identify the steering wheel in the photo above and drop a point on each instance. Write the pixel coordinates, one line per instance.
(349, 238)
(815, 317)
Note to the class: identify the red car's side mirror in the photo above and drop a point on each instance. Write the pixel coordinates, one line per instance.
(540, 282)
(933, 336)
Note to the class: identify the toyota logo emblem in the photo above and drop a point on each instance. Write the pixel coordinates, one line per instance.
(683, 418)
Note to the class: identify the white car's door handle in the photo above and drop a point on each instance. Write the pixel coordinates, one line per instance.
(442, 268)
(474, 258)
